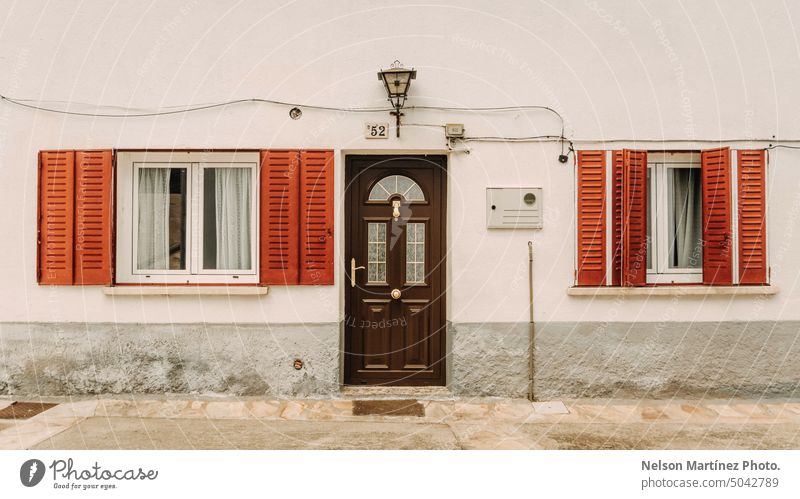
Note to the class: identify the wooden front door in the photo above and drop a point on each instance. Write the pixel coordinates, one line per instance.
(395, 300)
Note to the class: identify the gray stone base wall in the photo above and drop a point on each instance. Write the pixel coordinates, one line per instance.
(64, 359)
(573, 360)
(629, 360)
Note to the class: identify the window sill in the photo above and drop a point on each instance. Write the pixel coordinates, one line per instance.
(673, 291)
(185, 290)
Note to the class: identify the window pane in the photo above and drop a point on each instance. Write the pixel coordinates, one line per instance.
(161, 230)
(396, 184)
(226, 218)
(376, 249)
(685, 218)
(415, 252)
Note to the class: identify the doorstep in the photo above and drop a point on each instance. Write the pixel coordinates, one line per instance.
(397, 392)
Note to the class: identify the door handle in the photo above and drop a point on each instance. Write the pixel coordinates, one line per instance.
(353, 269)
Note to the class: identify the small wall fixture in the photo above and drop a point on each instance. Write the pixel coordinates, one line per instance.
(397, 81)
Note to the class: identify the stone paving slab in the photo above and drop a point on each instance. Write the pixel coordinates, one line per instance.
(741, 436)
(553, 407)
(448, 410)
(160, 433)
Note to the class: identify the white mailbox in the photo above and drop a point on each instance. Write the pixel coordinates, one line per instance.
(514, 207)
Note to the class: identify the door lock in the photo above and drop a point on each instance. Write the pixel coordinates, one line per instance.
(396, 294)
(353, 269)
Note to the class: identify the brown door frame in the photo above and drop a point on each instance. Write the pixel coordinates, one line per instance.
(351, 205)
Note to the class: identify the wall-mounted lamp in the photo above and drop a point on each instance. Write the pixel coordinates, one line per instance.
(397, 81)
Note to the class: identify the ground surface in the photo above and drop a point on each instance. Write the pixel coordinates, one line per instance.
(135, 423)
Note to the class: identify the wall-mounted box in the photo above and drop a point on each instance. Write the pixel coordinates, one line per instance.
(454, 130)
(514, 207)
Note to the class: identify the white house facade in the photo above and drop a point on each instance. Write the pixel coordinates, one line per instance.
(207, 197)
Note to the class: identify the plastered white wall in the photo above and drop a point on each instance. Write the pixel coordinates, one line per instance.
(688, 73)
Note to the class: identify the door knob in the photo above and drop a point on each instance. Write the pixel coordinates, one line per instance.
(396, 294)
(353, 269)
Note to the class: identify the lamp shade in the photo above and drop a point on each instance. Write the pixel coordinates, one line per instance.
(397, 81)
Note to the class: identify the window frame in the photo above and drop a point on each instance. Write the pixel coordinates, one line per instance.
(658, 165)
(128, 165)
(138, 165)
(197, 257)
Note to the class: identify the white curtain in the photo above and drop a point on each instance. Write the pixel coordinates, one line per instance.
(152, 251)
(687, 217)
(232, 193)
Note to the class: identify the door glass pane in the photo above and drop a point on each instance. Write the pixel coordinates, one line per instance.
(415, 253)
(161, 223)
(396, 184)
(226, 218)
(685, 218)
(376, 249)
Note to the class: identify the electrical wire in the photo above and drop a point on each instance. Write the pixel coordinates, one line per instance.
(28, 103)
(532, 138)
(494, 109)
(684, 139)
(173, 110)
(189, 109)
(424, 125)
(560, 137)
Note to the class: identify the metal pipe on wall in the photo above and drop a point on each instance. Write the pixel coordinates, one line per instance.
(531, 326)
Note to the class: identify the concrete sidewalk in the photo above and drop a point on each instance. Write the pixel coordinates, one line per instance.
(166, 423)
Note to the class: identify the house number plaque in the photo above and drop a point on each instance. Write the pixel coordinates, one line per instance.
(376, 131)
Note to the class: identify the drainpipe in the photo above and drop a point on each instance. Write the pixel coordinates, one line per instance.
(531, 327)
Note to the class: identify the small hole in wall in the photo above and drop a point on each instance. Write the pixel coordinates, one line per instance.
(298, 364)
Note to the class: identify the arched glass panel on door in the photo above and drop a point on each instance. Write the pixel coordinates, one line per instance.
(396, 184)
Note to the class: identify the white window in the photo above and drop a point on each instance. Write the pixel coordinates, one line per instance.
(674, 212)
(187, 217)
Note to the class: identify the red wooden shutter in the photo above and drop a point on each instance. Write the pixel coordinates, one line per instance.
(717, 240)
(316, 217)
(279, 217)
(616, 207)
(591, 218)
(634, 218)
(56, 197)
(752, 213)
(93, 217)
